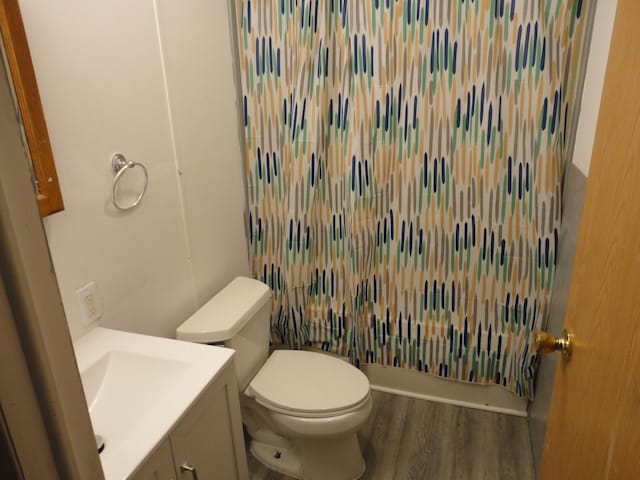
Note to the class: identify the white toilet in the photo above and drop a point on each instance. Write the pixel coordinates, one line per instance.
(302, 409)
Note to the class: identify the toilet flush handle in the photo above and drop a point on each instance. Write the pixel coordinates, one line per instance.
(185, 467)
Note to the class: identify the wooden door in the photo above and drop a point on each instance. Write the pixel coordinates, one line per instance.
(594, 422)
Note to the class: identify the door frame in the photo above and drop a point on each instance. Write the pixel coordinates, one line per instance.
(40, 389)
(22, 416)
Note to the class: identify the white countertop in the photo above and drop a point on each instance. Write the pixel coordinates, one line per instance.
(138, 387)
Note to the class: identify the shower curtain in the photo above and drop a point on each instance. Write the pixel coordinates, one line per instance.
(404, 162)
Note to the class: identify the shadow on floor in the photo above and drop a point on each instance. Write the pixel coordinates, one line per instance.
(411, 439)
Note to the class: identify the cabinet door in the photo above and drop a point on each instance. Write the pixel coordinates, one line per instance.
(159, 466)
(209, 438)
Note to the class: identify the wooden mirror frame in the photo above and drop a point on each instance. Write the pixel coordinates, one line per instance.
(32, 116)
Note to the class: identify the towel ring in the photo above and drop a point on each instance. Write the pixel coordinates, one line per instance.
(120, 165)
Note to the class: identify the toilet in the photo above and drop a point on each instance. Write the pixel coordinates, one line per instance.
(302, 409)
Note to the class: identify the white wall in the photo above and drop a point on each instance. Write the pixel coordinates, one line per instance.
(593, 83)
(153, 80)
(199, 65)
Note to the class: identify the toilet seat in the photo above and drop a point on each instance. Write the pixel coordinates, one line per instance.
(308, 384)
(310, 415)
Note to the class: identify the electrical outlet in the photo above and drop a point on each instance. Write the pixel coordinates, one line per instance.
(90, 304)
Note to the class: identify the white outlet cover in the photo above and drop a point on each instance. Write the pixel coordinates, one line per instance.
(90, 303)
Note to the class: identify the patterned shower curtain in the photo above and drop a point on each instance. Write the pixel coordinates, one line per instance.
(404, 162)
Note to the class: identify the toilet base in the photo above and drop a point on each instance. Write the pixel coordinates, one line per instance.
(306, 448)
(337, 459)
(281, 460)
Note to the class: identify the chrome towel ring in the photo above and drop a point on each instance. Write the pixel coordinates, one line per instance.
(120, 165)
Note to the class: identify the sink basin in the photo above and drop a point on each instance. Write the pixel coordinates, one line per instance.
(129, 384)
(137, 387)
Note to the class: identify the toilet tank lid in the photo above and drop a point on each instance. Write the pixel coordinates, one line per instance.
(226, 313)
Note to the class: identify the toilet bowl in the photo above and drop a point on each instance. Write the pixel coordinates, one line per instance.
(302, 410)
(315, 404)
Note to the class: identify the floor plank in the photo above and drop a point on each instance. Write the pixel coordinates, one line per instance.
(411, 439)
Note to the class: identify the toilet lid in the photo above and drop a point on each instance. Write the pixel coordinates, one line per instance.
(308, 382)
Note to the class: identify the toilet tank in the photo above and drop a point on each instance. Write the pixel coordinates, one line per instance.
(237, 317)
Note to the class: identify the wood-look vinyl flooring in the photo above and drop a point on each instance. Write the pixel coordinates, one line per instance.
(411, 439)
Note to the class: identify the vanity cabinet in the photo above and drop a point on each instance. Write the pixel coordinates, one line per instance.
(159, 466)
(207, 442)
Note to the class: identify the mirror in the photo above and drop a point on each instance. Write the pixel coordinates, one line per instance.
(15, 54)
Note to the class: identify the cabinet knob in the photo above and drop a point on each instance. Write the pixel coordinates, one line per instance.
(185, 467)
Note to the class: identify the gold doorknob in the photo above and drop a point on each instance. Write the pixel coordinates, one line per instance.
(547, 343)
